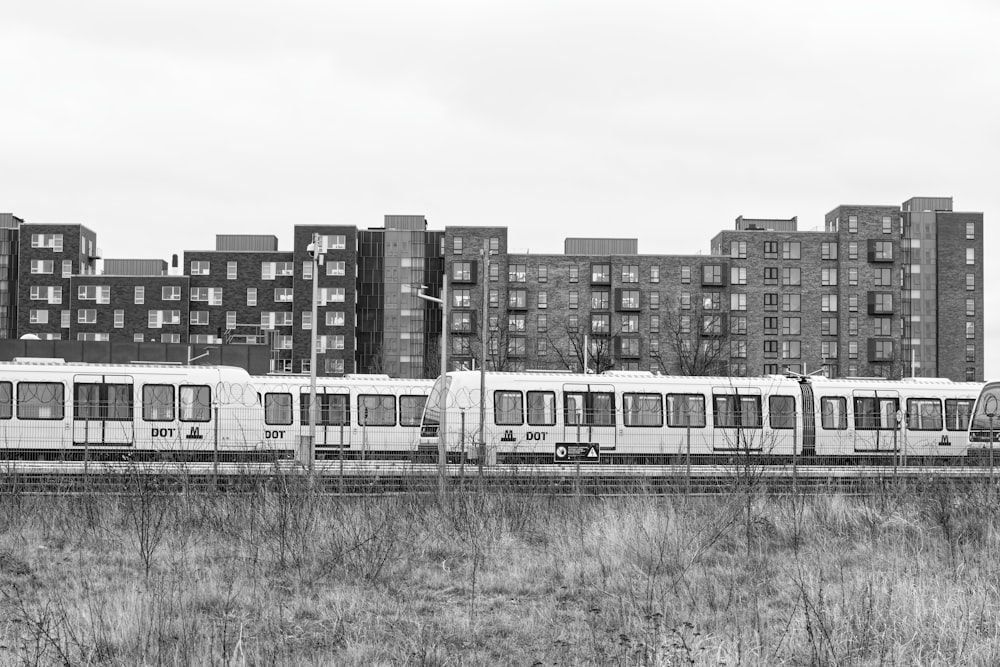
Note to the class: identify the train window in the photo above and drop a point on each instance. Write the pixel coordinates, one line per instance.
(873, 413)
(40, 400)
(376, 410)
(6, 400)
(834, 412)
(508, 409)
(332, 409)
(196, 403)
(957, 412)
(158, 402)
(102, 401)
(685, 410)
(924, 414)
(410, 409)
(642, 409)
(277, 408)
(781, 411)
(602, 412)
(591, 408)
(735, 411)
(541, 408)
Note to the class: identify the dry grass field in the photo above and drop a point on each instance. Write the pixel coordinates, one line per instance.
(278, 575)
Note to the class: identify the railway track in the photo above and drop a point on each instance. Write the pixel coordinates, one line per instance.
(380, 477)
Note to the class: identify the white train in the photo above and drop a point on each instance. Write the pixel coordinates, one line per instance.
(53, 409)
(357, 416)
(984, 429)
(639, 417)
(56, 410)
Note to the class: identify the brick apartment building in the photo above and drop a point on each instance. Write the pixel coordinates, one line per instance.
(876, 291)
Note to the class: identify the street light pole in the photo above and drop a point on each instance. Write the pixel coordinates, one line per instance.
(481, 453)
(307, 450)
(443, 421)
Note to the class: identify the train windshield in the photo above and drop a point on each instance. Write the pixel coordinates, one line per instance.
(432, 408)
(986, 417)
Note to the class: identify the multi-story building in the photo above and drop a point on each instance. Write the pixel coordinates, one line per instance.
(10, 227)
(877, 290)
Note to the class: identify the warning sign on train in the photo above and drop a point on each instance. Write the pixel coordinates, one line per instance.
(577, 452)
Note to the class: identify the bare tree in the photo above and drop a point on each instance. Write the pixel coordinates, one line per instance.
(572, 343)
(699, 340)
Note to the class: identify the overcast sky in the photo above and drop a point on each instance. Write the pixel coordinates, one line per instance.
(159, 126)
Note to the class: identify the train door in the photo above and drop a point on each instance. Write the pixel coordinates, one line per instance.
(737, 420)
(589, 414)
(333, 416)
(808, 419)
(876, 421)
(103, 410)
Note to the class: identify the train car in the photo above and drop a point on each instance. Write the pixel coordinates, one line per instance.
(57, 410)
(357, 416)
(636, 417)
(984, 427)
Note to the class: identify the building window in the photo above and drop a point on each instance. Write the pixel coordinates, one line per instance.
(199, 318)
(543, 323)
(828, 326)
(970, 281)
(574, 274)
(461, 271)
(828, 303)
(881, 350)
(600, 299)
(852, 326)
(886, 224)
(711, 325)
(542, 347)
(654, 300)
(231, 320)
(573, 323)
(119, 319)
(600, 273)
(251, 296)
(852, 277)
(738, 349)
(852, 351)
(828, 250)
(711, 274)
(171, 293)
(738, 325)
(770, 301)
(770, 349)
(771, 326)
(829, 349)
(630, 299)
(517, 298)
(42, 265)
(654, 324)
(517, 273)
(791, 276)
(336, 268)
(738, 249)
(630, 273)
(883, 277)
(600, 323)
(791, 349)
(334, 366)
(970, 307)
(685, 275)
(970, 353)
(828, 277)
(332, 295)
(791, 303)
(574, 299)
(654, 274)
(494, 297)
(335, 318)
(970, 255)
(231, 270)
(517, 322)
(38, 316)
(791, 250)
(281, 294)
(711, 301)
(685, 300)
(852, 224)
(200, 268)
(770, 275)
(881, 251)
(737, 302)
(65, 319)
(852, 250)
(139, 294)
(684, 324)
(791, 326)
(970, 329)
(970, 231)
(629, 323)
(543, 273)
(456, 245)
(53, 241)
(307, 270)
(880, 302)
(770, 250)
(67, 268)
(852, 303)
(543, 300)
(738, 275)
